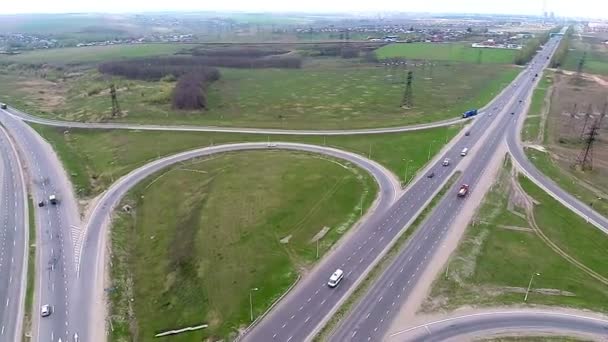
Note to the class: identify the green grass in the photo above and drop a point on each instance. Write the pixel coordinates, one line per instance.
(567, 179)
(447, 52)
(596, 59)
(192, 257)
(326, 93)
(493, 265)
(95, 158)
(31, 271)
(531, 129)
(384, 263)
(94, 54)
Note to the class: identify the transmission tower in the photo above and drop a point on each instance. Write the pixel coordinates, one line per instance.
(115, 106)
(587, 116)
(407, 95)
(585, 158)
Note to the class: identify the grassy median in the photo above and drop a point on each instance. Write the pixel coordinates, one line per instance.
(200, 235)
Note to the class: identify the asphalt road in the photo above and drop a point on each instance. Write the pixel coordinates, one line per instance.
(55, 226)
(269, 131)
(372, 316)
(464, 327)
(13, 241)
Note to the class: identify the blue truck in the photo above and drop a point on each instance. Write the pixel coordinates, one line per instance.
(469, 113)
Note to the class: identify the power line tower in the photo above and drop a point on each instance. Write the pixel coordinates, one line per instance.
(585, 158)
(587, 116)
(115, 105)
(407, 95)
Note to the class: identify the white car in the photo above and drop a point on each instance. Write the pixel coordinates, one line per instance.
(446, 162)
(45, 310)
(335, 278)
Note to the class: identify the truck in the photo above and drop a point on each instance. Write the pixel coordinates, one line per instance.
(53, 199)
(464, 189)
(469, 113)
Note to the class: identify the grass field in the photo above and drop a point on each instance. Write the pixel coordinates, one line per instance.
(532, 125)
(95, 158)
(327, 93)
(447, 52)
(93, 54)
(596, 58)
(500, 252)
(191, 258)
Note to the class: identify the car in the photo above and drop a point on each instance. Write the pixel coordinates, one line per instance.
(41, 204)
(271, 145)
(3, 106)
(468, 133)
(446, 162)
(335, 278)
(53, 199)
(45, 310)
(464, 152)
(431, 175)
(512, 113)
(520, 101)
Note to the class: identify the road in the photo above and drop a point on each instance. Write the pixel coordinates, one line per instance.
(269, 131)
(372, 316)
(14, 227)
(464, 327)
(56, 233)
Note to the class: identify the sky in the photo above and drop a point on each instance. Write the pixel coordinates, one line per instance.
(579, 8)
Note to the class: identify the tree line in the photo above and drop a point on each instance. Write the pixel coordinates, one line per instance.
(529, 50)
(559, 57)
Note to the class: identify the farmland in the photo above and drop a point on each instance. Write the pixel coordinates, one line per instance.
(192, 257)
(447, 52)
(594, 52)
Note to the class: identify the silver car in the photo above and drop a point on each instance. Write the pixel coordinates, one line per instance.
(45, 310)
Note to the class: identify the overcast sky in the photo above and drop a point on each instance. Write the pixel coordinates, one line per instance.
(586, 8)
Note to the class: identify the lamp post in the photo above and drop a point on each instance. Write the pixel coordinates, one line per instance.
(529, 285)
(407, 164)
(251, 302)
(429, 156)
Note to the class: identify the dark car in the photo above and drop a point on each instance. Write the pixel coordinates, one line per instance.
(431, 175)
(3, 106)
(41, 204)
(512, 113)
(467, 133)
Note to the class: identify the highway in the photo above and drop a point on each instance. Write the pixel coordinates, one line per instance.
(14, 237)
(372, 316)
(56, 241)
(464, 327)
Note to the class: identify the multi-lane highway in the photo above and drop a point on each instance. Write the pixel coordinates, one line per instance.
(370, 319)
(466, 327)
(56, 235)
(13, 240)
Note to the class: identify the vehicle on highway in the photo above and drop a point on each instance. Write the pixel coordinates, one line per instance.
(464, 189)
(335, 278)
(53, 199)
(464, 151)
(468, 133)
(431, 175)
(469, 113)
(41, 204)
(446, 162)
(271, 145)
(45, 310)
(512, 113)
(3, 106)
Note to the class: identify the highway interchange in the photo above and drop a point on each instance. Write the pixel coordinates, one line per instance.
(70, 259)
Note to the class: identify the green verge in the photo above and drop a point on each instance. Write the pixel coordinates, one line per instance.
(531, 129)
(447, 52)
(95, 158)
(31, 271)
(567, 180)
(500, 252)
(192, 257)
(385, 262)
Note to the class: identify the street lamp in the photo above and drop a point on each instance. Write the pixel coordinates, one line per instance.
(529, 285)
(407, 164)
(251, 302)
(429, 156)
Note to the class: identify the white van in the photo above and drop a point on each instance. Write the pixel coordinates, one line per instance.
(335, 278)
(464, 151)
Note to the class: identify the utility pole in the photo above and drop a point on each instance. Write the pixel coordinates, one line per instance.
(585, 158)
(407, 164)
(407, 95)
(529, 285)
(587, 116)
(115, 105)
(430, 144)
(251, 302)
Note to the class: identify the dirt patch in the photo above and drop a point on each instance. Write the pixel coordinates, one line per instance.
(320, 234)
(48, 95)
